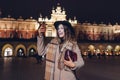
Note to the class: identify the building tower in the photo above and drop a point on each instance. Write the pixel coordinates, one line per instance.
(57, 14)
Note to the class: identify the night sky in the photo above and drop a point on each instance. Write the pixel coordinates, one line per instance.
(85, 10)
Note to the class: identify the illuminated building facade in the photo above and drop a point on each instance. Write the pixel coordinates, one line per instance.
(88, 31)
(92, 36)
(12, 28)
(58, 14)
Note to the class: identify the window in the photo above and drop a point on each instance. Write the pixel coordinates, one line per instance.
(49, 33)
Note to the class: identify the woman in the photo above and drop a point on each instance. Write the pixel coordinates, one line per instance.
(57, 68)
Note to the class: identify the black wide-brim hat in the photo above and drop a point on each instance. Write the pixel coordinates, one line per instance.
(65, 23)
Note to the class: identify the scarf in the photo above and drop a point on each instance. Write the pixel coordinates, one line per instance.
(50, 59)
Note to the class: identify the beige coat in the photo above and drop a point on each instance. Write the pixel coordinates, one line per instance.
(66, 73)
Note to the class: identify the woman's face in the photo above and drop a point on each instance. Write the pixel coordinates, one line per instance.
(61, 32)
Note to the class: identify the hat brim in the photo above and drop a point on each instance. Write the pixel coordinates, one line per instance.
(57, 23)
(65, 23)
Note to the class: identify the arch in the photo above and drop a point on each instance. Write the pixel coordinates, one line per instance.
(117, 48)
(109, 47)
(31, 46)
(20, 46)
(20, 52)
(91, 48)
(101, 48)
(7, 46)
(83, 49)
(109, 50)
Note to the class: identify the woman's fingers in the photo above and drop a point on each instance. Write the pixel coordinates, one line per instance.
(69, 63)
(69, 58)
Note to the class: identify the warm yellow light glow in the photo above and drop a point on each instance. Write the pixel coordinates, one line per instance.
(58, 14)
(117, 31)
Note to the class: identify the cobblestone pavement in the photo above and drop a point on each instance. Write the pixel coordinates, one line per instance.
(14, 68)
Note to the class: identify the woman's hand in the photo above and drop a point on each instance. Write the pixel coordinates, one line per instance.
(42, 30)
(69, 63)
